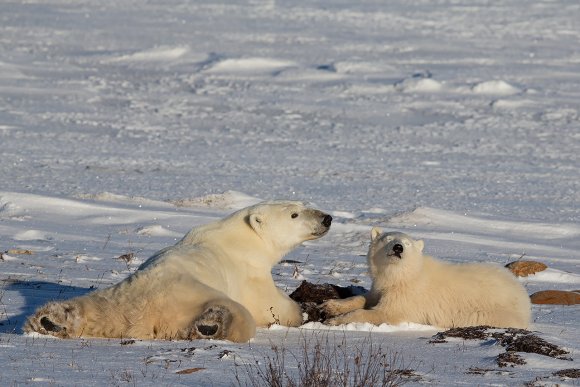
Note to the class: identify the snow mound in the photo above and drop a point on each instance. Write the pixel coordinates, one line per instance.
(31, 235)
(497, 87)
(227, 200)
(419, 85)
(250, 66)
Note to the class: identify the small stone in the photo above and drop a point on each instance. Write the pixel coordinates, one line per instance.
(556, 297)
(525, 268)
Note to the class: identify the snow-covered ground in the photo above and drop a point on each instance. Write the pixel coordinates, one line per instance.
(124, 124)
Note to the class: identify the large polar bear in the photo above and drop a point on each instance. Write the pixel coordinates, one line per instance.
(214, 283)
(409, 286)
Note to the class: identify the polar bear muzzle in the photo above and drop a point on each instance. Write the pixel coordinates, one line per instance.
(327, 220)
(398, 250)
(324, 225)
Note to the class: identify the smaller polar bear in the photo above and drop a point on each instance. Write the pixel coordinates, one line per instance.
(409, 286)
(216, 283)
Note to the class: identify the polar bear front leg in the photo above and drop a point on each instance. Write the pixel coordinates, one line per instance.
(335, 307)
(60, 319)
(372, 316)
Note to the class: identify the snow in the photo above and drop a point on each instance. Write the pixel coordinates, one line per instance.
(124, 124)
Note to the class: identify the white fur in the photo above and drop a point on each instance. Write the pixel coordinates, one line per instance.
(218, 277)
(418, 288)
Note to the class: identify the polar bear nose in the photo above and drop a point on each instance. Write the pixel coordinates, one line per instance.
(398, 250)
(327, 220)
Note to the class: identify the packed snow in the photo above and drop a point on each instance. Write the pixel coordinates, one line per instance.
(125, 124)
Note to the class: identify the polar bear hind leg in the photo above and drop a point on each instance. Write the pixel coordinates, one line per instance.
(223, 319)
(59, 319)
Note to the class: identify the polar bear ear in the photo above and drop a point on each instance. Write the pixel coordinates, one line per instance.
(255, 222)
(420, 244)
(375, 233)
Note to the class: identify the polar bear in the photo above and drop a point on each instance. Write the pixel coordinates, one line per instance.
(409, 286)
(215, 283)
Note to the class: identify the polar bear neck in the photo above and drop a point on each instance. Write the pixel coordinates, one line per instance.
(408, 272)
(233, 236)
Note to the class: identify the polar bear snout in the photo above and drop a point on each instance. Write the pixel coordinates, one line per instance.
(327, 220)
(398, 250)
(325, 223)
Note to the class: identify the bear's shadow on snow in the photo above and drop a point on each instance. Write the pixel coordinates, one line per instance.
(35, 294)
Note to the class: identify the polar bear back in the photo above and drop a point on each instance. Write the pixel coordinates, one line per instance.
(471, 294)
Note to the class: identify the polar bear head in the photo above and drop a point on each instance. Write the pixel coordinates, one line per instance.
(394, 254)
(286, 224)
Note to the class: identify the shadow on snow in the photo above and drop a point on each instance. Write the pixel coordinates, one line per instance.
(35, 294)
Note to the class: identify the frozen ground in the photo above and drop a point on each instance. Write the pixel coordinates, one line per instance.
(456, 121)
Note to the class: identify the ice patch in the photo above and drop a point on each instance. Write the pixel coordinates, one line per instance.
(250, 66)
(343, 214)
(157, 54)
(553, 275)
(536, 361)
(10, 71)
(368, 327)
(82, 258)
(495, 87)
(359, 68)
(375, 210)
(114, 198)
(39, 335)
(6, 257)
(32, 235)
(157, 230)
(425, 216)
(227, 200)
(512, 104)
(8, 209)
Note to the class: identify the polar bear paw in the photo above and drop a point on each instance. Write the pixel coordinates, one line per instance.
(213, 323)
(56, 319)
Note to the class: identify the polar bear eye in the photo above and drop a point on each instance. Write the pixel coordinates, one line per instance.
(294, 215)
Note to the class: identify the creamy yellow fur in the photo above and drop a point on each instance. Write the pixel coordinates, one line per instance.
(422, 289)
(217, 278)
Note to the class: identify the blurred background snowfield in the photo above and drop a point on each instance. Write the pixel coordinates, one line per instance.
(124, 124)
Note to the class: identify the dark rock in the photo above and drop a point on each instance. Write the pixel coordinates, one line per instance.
(310, 295)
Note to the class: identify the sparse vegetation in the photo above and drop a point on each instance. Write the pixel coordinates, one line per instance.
(323, 361)
(572, 373)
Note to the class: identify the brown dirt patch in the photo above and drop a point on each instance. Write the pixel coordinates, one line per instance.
(572, 373)
(509, 359)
